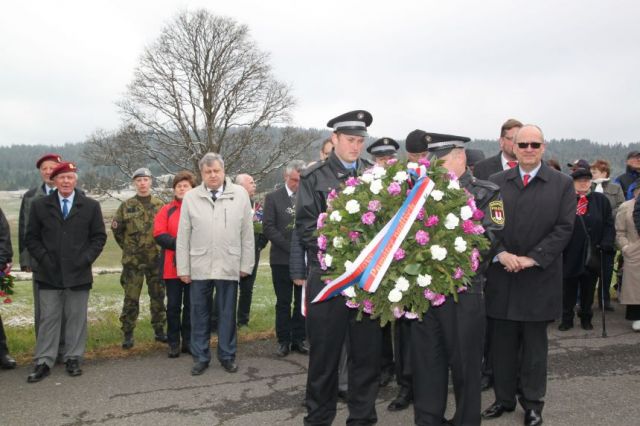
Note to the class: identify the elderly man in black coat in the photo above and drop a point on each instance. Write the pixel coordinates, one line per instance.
(524, 283)
(65, 235)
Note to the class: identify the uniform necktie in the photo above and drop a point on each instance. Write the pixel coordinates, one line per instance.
(65, 208)
(525, 179)
(512, 164)
(583, 203)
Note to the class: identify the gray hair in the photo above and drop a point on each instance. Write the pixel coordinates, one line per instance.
(515, 137)
(297, 165)
(240, 178)
(209, 158)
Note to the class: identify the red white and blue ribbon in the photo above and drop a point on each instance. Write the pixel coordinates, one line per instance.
(370, 266)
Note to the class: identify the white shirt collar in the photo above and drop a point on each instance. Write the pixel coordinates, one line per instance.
(505, 162)
(70, 198)
(531, 174)
(289, 192)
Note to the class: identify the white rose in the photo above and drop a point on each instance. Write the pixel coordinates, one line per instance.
(424, 280)
(366, 177)
(328, 259)
(453, 184)
(466, 213)
(437, 252)
(348, 265)
(451, 221)
(352, 206)
(378, 172)
(335, 216)
(460, 245)
(437, 195)
(401, 176)
(395, 295)
(338, 242)
(402, 284)
(350, 292)
(376, 186)
(349, 190)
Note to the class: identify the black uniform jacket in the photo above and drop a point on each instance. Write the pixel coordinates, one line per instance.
(278, 215)
(65, 248)
(315, 183)
(539, 222)
(485, 168)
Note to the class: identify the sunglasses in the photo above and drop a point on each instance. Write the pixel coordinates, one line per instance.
(533, 145)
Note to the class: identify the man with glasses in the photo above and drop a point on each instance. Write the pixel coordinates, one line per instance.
(524, 282)
(506, 158)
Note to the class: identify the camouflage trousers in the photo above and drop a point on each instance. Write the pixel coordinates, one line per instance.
(131, 281)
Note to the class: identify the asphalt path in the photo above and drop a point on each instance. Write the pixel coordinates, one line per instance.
(592, 381)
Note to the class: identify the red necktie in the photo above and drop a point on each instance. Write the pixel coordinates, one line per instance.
(525, 179)
(512, 164)
(581, 210)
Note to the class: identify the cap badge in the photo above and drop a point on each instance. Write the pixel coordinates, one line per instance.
(386, 141)
(360, 115)
(427, 138)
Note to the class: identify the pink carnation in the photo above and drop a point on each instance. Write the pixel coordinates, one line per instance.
(323, 265)
(429, 295)
(459, 273)
(352, 304)
(394, 188)
(322, 242)
(424, 162)
(321, 219)
(411, 315)
(462, 289)
(422, 237)
(367, 306)
(477, 214)
(452, 176)
(399, 254)
(468, 227)
(354, 235)
(352, 181)
(392, 161)
(438, 300)
(332, 195)
(420, 215)
(398, 313)
(374, 205)
(368, 218)
(475, 259)
(431, 221)
(471, 202)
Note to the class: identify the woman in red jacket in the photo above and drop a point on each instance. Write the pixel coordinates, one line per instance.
(165, 230)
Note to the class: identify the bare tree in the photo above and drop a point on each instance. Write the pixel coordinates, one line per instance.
(202, 86)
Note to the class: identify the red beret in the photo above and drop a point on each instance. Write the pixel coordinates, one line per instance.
(51, 157)
(64, 167)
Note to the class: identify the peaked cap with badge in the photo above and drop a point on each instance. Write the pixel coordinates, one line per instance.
(352, 123)
(383, 147)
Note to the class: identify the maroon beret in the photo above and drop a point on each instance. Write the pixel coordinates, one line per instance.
(64, 167)
(51, 157)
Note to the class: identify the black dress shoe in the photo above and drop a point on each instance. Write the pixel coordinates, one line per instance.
(586, 325)
(186, 348)
(300, 347)
(532, 418)
(283, 350)
(495, 410)
(127, 341)
(229, 365)
(7, 362)
(486, 382)
(343, 396)
(564, 326)
(402, 401)
(198, 368)
(73, 367)
(386, 375)
(161, 336)
(39, 372)
(174, 351)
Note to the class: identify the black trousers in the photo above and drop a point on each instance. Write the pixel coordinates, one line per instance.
(586, 283)
(450, 335)
(178, 312)
(3, 340)
(402, 352)
(290, 324)
(520, 349)
(328, 324)
(386, 351)
(487, 368)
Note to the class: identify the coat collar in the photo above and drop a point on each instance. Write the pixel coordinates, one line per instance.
(53, 204)
(341, 172)
(514, 174)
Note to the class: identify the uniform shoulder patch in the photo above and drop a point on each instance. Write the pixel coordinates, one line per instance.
(496, 212)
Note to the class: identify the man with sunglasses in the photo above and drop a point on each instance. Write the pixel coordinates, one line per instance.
(524, 283)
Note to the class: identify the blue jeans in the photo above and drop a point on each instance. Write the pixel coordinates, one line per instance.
(227, 293)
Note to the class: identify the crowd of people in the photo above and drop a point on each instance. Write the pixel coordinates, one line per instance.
(553, 236)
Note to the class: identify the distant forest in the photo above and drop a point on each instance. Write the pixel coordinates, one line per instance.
(17, 162)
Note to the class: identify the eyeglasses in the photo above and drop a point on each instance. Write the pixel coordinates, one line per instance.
(509, 138)
(533, 145)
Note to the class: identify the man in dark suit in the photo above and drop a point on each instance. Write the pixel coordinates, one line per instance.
(65, 236)
(506, 158)
(524, 283)
(279, 212)
(6, 254)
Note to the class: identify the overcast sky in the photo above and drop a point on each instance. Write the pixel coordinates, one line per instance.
(461, 67)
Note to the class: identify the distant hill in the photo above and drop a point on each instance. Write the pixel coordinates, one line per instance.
(17, 162)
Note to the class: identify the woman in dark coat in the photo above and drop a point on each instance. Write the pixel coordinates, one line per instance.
(593, 235)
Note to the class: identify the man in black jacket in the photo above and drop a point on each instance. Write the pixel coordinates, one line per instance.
(329, 322)
(506, 158)
(6, 254)
(524, 283)
(66, 235)
(277, 221)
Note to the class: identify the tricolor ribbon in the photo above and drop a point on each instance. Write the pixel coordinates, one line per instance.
(370, 266)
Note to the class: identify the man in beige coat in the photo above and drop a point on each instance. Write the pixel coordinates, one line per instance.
(628, 241)
(214, 249)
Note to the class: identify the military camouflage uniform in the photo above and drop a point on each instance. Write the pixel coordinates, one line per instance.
(132, 228)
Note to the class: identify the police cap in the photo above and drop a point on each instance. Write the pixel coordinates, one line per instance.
(352, 123)
(383, 147)
(440, 144)
(416, 142)
(142, 172)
